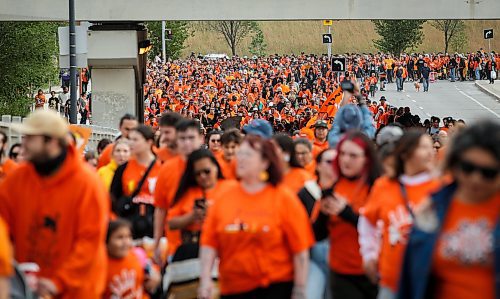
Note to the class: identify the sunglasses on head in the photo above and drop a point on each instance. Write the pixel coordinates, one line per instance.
(486, 172)
(202, 171)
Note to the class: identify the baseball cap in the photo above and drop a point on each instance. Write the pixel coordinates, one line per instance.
(43, 122)
(260, 128)
(320, 123)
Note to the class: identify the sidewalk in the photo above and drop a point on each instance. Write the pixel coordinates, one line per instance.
(491, 89)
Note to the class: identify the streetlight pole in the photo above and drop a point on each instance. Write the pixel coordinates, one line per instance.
(72, 62)
(163, 41)
(329, 46)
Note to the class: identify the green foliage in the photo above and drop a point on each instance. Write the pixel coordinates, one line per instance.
(398, 35)
(180, 32)
(28, 61)
(460, 42)
(453, 31)
(258, 45)
(233, 31)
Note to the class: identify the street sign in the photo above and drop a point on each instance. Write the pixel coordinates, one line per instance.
(327, 22)
(488, 33)
(327, 38)
(339, 64)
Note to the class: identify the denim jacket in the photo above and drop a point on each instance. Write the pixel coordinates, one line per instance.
(417, 263)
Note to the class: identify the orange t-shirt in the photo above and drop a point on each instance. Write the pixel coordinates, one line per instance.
(463, 257)
(344, 247)
(7, 167)
(228, 168)
(125, 278)
(386, 203)
(133, 174)
(164, 154)
(256, 236)
(296, 178)
(5, 251)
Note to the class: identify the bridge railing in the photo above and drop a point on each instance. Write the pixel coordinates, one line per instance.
(98, 133)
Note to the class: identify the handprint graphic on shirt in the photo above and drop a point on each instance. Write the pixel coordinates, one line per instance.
(400, 223)
(123, 286)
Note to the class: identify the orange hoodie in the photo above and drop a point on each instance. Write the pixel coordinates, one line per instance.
(59, 222)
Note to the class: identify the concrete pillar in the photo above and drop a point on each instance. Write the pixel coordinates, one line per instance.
(113, 95)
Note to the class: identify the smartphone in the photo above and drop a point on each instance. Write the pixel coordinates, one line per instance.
(200, 203)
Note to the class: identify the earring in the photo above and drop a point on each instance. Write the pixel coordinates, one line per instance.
(264, 176)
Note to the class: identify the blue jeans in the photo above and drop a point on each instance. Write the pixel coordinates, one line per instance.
(399, 83)
(478, 74)
(452, 74)
(319, 272)
(426, 84)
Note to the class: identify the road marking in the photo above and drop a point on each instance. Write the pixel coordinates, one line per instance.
(421, 108)
(408, 95)
(477, 102)
(413, 101)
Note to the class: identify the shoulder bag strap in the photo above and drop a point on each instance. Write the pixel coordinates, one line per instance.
(406, 199)
(143, 179)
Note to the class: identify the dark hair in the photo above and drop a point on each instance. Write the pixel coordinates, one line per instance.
(145, 131)
(372, 168)
(232, 135)
(405, 148)
(303, 141)
(267, 149)
(212, 133)
(5, 137)
(90, 155)
(127, 116)
(287, 145)
(188, 179)
(484, 135)
(186, 124)
(11, 151)
(170, 119)
(102, 144)
(115, 225)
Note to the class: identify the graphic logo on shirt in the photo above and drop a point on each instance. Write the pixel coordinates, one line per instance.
(400, 223)
(124, 286)
(470, 243)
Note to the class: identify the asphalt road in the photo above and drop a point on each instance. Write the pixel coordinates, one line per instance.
(460, 100)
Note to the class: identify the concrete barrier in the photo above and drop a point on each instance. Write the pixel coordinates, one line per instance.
(98, 133)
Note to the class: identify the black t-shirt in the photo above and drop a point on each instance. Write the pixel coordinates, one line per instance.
(54, 103)
(420, 63)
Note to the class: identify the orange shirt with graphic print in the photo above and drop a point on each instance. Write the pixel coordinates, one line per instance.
(463, 265)
(256, 236)
(344, 247)
(125, 278)
(386, 203)
(133, 173)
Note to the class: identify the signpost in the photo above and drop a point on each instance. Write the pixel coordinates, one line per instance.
(488, 34)
(339, 64)
(328, 23)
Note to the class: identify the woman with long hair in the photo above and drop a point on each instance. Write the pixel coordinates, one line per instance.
(392, 202)
(134, 183)
(356, 167)
(258, 229)
(453, 249)
(200, 183)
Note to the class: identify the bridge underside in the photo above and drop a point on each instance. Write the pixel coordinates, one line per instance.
(206, 10)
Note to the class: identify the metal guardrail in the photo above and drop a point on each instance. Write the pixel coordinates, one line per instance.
(98, 133)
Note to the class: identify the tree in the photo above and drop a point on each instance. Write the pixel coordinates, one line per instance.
(180, 31)
(451, 30)
(233, 31)
(28, 61)
(398, 35)
(258, 45)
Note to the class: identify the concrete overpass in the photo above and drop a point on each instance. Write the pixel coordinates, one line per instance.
(205, 10)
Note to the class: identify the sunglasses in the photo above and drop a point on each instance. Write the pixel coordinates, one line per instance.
(486, 172)
(202, 171)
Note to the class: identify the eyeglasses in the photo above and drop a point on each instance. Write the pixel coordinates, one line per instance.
(206, 171)
(486, 172)
(215, 140)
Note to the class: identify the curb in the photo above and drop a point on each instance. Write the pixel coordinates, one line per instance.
(487, 91)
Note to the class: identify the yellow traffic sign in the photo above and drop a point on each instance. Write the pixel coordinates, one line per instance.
(328, 22)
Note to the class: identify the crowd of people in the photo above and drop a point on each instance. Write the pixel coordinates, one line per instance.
(363, 202)
(290, 90)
